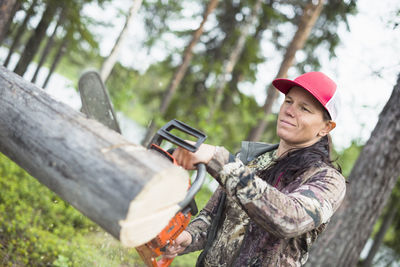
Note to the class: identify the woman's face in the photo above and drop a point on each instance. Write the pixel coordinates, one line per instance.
(300, 120)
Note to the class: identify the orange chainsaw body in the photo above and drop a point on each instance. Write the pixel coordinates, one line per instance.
(151, 251)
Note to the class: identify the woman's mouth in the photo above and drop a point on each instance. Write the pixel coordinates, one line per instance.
(287, 123)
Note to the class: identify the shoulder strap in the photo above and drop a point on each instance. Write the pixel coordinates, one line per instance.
(212, 232)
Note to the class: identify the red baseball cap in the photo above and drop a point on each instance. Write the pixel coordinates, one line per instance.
(319, 85)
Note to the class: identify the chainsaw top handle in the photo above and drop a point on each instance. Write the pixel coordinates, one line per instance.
(164, 133)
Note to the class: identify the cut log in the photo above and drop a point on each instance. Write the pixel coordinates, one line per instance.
(131, 192)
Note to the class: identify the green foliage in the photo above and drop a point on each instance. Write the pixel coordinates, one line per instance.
(137, 95)
(37, 228)
(348, 157)
(34, 223)
(158, 15)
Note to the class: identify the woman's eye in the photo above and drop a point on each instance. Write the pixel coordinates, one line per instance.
(305, 109)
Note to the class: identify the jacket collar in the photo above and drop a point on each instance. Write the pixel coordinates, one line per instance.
(251, 150)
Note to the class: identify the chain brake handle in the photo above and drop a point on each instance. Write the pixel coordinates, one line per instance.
(164, 133)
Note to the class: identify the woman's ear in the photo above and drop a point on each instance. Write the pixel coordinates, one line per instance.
(329, 126)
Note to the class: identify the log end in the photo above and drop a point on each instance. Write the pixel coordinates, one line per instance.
(154, 207)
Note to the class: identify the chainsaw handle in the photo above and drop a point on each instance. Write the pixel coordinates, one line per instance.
(196, 185)
(165, 134)
(164, 262)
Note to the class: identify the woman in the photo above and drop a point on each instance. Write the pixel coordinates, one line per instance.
(273, 200)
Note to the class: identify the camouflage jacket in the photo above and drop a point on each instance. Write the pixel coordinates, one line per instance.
(264, 225)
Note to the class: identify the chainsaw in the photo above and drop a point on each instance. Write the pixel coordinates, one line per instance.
(96, 104)
(154, 249)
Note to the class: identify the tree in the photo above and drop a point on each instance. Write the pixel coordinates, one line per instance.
(310, 15)
(32, 46)
(49, 45)
(76, 38)
(230, 63)
(10, 26)
(21, 29)
(387, 220)
(181, 70)
(6, 11)
(110, 61)
(370, 183)
(62, 48)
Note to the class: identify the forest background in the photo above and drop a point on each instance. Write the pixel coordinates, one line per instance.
(242, 46)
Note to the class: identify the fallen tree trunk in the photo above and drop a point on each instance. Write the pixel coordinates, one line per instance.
(131, 192)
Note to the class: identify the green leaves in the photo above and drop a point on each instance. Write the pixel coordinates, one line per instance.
(37, 228)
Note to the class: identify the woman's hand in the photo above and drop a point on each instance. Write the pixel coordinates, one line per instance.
(178, 245)
(188, 160)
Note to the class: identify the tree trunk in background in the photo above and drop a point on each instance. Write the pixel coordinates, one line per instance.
(378, 239)
(34, 41)
(230, 64)
(181, 70)
(131, 192)
(49, 46)
(371, 181)
(10, 29)
(20, 31)
(306, 23)
(110, 61)
(6, 11)
(60, 52)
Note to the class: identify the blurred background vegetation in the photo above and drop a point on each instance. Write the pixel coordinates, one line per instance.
(37, 228)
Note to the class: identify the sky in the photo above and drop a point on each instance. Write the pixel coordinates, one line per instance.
(366, 68)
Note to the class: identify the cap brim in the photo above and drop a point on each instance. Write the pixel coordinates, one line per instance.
(284, 85)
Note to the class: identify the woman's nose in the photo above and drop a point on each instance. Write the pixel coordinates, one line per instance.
(290, 111)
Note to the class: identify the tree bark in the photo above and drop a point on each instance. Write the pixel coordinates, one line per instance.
(230, 64)
(181, 70)
(370, 183)
(110, 61)
(378, 239)
(20, 31)
(6, 10)
(306, 23)
(128, 190)
(49, 46)
(34, 41)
